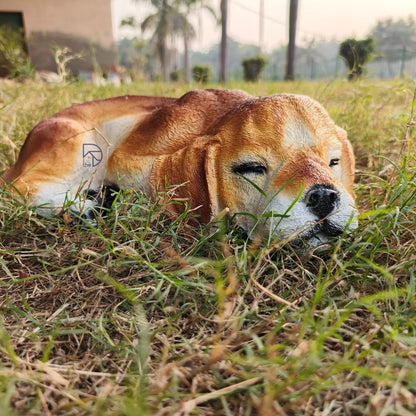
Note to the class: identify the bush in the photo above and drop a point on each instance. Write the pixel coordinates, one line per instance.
(14, 60)
(253, 67)
(201, 73)
(356, 54)
(175, 75)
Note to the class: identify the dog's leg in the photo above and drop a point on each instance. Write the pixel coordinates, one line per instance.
(99, 202)
(55, 197)
(57, 176)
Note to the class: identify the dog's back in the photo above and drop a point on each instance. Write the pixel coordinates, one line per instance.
(110, 141)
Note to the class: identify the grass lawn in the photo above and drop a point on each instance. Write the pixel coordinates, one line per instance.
(143, 315)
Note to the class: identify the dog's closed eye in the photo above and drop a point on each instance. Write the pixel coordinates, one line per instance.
(334, 162)
(250, 168)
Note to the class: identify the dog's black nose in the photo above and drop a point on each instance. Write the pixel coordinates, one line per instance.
(322, 200)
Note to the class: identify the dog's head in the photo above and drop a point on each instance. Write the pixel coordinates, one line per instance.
(279, 164)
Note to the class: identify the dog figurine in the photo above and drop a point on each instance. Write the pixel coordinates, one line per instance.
(278, 164)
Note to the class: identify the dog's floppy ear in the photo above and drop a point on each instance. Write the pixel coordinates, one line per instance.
(192, 169)
(347, 160)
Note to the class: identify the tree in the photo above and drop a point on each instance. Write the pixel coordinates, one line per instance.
(356, 54)
(163, 22)
(236, 52)
(293, 17)
(191, 7)
(166, 21)
(223, 49)
(253, 67)
(14, 60)
(392, 36)
(135, 54)
(395, 40)
(201, 73)
(171, 18)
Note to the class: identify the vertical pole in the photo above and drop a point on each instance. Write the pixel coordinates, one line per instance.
(261, 26)
(293, 16)
(402, 65)
(223, 51)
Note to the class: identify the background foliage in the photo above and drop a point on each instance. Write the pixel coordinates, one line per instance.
(318, 58)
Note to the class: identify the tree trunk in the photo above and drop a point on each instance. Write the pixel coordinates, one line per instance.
(403, 62)
(162, 41)
(261, 26)
(163, 60)
(293, 17)
(185, 59)
(223, 51)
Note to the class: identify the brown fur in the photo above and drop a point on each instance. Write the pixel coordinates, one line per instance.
(194, 141)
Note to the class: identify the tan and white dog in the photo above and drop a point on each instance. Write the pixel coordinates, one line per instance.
(278, 163)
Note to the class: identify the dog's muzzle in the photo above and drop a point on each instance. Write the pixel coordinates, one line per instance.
(321, 200)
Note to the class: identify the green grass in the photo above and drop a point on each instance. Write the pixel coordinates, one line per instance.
(141, 315)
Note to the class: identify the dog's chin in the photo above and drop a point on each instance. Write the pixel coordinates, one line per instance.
(318, 235)
(318, 243)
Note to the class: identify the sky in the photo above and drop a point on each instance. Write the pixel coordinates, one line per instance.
(319, 19)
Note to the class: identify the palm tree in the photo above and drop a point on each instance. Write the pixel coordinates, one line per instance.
(293, 17)
(165, 21)
(188, 34)
(171, 17)
(191, 7)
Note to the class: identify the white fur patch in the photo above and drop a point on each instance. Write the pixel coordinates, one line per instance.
(297, 135)
(89, 171)
(286, 219)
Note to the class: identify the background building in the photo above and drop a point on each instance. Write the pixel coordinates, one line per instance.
(84, 26)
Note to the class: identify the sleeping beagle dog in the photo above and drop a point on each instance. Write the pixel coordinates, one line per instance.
(278, 164)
